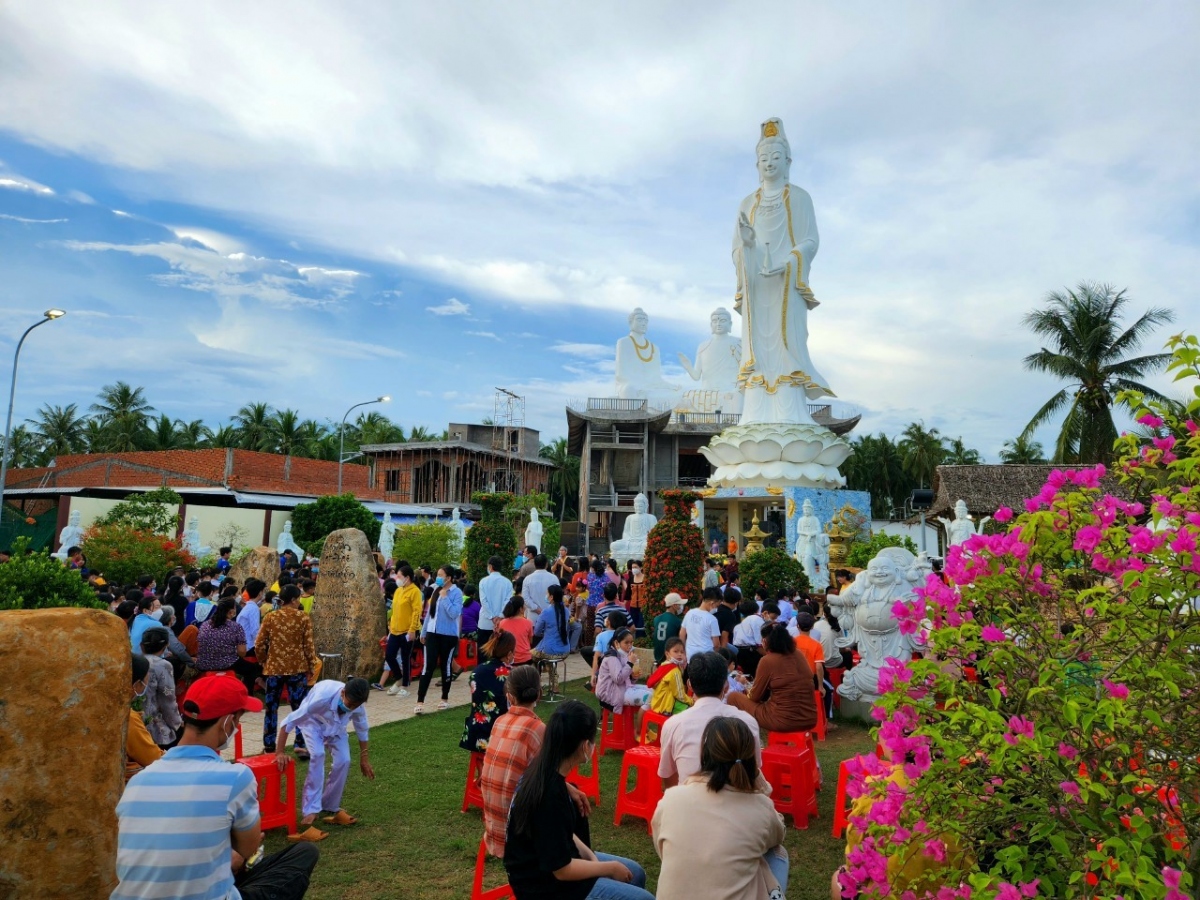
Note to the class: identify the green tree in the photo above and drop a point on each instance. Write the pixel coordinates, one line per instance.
(59, 431)
(224, 437)
(491, 536)
(38, 581)
(122, 553)
(193, 434)
(877, 466)
(313, 522)
(675, 553)
(285, 433)
(772, 568)
(426, 544)
(959, 454)
(860, 553)
(564, 480)
(1090, 352)
(123, 412)
(923, 449)
(1022, 450)
(23, 448)
(421, 433)
(165, 434)
(154, 512)
(376, 428)
(253, 425)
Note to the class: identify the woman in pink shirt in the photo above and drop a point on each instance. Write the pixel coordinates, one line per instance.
(515, 623)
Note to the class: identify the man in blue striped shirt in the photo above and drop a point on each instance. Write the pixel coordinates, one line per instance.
(190, 822)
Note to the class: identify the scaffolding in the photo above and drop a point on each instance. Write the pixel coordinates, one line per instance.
(508, 430)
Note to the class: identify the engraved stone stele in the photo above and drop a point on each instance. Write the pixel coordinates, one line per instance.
(62, 742)
(348, 612)
(261, 562)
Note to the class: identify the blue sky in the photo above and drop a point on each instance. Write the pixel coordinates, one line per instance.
(312, 206)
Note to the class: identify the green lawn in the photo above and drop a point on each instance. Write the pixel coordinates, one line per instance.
(413, 842)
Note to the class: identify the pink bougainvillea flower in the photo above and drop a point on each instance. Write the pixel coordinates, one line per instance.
(1191, 426)
(1164, 443)
(1008, 892)
(1069, 787)
(935, 849)
(1150, 421)
(1171, 881)
(1018, 727)
(1029, 888)
(992, 634)
(1003, 514)
(1185, 541)
(1116, 691)
(1066, 751)
(1088, 538)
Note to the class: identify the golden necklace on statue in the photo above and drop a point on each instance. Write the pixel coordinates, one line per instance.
(639, 348)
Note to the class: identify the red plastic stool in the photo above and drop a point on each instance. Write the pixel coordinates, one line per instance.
(803, 739)
(651, 719)
(276, 791)
(841, 815)
(590, 783)
(789, 770)
(820, 729)
(835, 676)
(502, 892)
(237, 742)
(643, 799)
(473, 793)
(619, 735)
(468, 654)
(416, 662)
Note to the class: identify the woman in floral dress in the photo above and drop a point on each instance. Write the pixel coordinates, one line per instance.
(488, 700)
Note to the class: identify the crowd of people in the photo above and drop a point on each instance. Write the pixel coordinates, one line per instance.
(207, 649)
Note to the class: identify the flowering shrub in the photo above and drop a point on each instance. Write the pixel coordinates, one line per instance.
(490, 536)
(772, 568)
(122, 553)
(39, 581)
(674, 553)
(1066, 763)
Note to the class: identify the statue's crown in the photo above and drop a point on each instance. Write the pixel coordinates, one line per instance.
(773, 128)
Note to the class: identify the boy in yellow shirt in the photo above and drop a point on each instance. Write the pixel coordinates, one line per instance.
(669, 695)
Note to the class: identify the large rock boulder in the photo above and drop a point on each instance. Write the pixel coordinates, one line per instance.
(64, 709)
(348, 609)
(261, 563)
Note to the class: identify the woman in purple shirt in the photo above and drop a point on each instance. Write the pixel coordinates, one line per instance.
(221, 641)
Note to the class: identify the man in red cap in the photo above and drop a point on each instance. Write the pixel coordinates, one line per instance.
(189, 822)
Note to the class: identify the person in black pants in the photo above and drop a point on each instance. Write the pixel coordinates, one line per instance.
(439, 634)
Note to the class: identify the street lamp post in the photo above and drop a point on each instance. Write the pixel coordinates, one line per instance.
(48, 316)
(342, 434)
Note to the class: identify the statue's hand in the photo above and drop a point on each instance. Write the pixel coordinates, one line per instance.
(745, 230)
(687, 366)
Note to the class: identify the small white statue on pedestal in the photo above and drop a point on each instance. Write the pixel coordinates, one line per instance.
(718, 361)
(287, 542)
(639, 366)
(71, 536)
(460, 533)
(533, 531)
(961, 529)
(387, 537)
(192, 541)
(808, 532)
(632, 544)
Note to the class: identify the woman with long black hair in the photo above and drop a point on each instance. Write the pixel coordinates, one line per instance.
(546, 852)
(554, 633)
(439, 634)
(174, 598)
(488, 698)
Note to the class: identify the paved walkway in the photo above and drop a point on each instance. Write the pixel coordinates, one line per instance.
(382, 709)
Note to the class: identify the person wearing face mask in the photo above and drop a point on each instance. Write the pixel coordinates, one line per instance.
(439, 634)
(635, 587)
(160, 709)
(403, 625)
(326, 711)
(191, 821)
(140, 749)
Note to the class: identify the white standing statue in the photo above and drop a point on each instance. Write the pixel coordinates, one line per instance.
(632, 544)
(808, 533)
(777, 442)
(718, 361)
(961, 529)
(71, 536)
(875, 629)
(387, 537)
(287, 542)
(460, 533)
(697, 514)
(192, 542)
(639, 366)
(533, 531)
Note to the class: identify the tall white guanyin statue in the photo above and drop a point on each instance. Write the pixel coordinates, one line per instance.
(776, 443)
(192, 542)
(70, 536)
(639, 366)
(632, 543)
(533, 531)
(460, 533)
(387, 537)
(718, 361)
(808, 535)
(961, 529)
(285, 541)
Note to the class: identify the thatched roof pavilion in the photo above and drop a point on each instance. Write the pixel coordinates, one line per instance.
(986, 488)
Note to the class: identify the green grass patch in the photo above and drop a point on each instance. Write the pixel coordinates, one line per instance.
(412, 841)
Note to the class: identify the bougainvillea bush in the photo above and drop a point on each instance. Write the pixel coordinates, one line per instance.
(1049, 745)
(774, 569)
(674, 553)
(122, 554)
(490, 536)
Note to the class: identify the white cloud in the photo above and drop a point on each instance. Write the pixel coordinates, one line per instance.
(214, 240)
(485, 334)
(588, 350)
(26, 221)
(15, 182)
(452, 307)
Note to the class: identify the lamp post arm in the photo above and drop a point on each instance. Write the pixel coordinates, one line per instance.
(12, 395)
(342, 438)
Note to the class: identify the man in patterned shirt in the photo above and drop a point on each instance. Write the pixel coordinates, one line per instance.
(288, 657)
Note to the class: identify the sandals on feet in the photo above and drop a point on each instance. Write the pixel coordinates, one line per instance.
(443, 705)
(309, 835)
(340, 818)
(418, 709)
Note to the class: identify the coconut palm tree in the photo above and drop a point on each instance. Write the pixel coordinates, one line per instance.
(285, 435)
(123, 412)
(1089, 350)
(253, 425)
(314, 441)
(94, 435)
(193, 434)
(1022, 450)
(22, 449)
(923, 449)
(224, 437)
(421, 433)
(58, 430)
(376, 428)
(959, 454)
(564, 480)
(877, 466)
(165, 434)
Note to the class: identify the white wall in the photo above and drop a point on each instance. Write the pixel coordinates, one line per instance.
(213, 519)
(913, 531)
(92, 508)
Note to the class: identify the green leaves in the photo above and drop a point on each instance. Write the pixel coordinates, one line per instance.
(38, 581)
